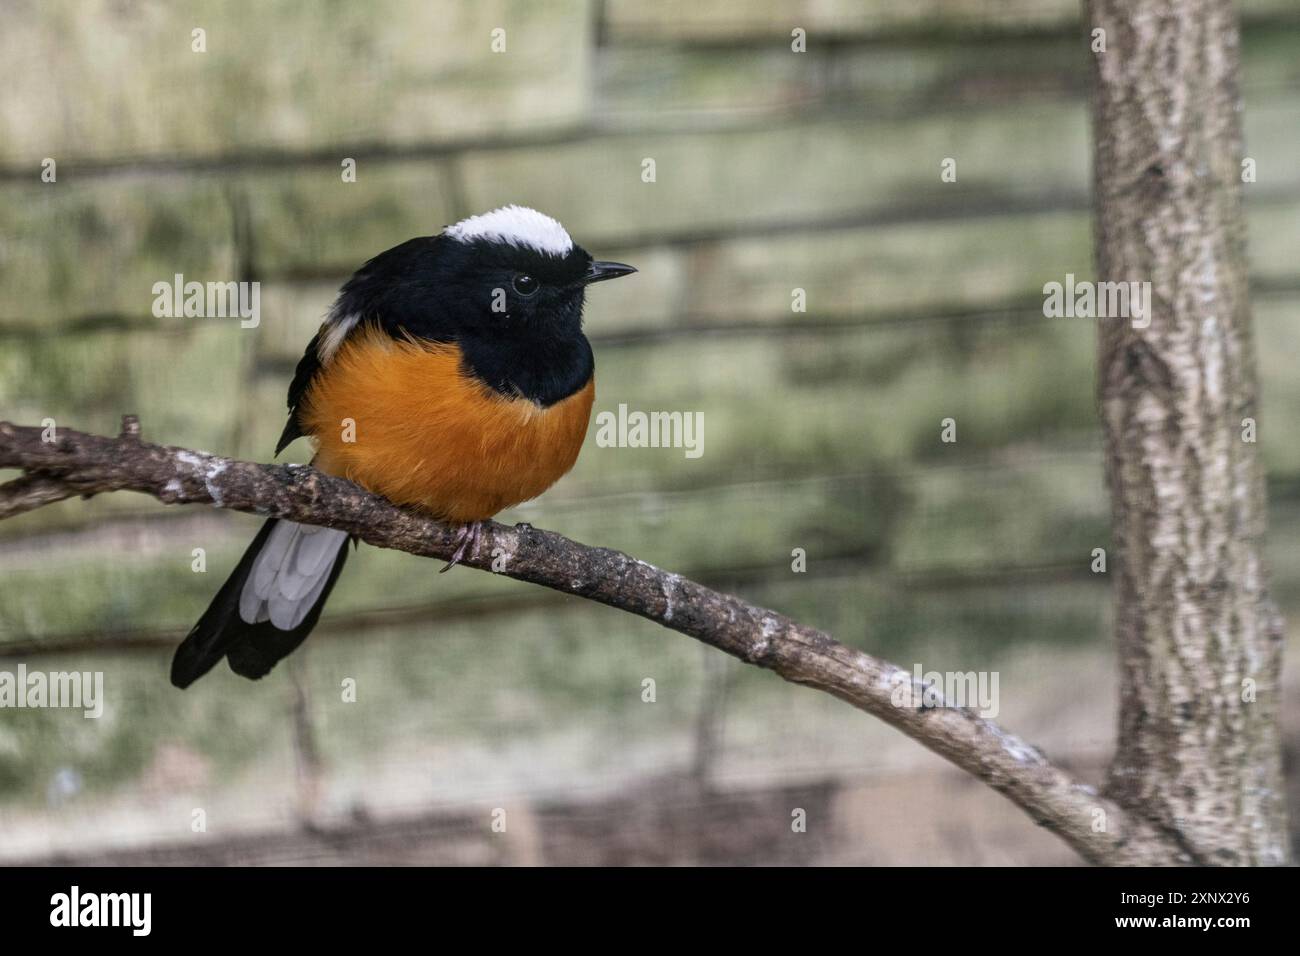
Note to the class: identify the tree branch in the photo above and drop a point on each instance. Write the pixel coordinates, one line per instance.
(77, 463)
(29, 493)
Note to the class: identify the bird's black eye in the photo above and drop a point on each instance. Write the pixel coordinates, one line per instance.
(525, 285)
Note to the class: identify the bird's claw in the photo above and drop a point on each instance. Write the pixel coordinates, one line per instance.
(466, 538)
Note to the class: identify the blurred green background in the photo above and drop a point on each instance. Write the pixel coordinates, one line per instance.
(775, 171)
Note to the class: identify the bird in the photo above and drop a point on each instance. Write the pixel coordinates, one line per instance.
(451, 376)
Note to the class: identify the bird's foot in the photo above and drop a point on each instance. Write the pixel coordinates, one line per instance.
(466, 538)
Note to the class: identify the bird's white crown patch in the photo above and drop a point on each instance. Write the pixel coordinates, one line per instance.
(516, 226)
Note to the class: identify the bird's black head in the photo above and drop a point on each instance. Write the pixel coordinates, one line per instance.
(508, 287)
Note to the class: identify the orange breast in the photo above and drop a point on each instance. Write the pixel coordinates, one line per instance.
(402, 419)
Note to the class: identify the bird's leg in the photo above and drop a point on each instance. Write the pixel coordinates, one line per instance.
(466, 537)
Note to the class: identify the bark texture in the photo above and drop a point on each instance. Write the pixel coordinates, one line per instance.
(1199, 638)
(77, 463)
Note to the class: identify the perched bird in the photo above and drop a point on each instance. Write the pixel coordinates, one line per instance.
(451, 376)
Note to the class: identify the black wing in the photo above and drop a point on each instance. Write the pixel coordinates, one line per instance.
(307, 368)
(394, 290)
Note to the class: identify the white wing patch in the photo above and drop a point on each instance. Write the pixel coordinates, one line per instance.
(333, 333)
(289, 574)
(515, 226)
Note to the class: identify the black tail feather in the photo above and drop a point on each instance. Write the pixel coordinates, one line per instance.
(252, 649)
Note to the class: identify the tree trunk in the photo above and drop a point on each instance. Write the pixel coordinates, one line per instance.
(1199, 638)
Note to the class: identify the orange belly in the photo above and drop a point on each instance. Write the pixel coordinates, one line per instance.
(401, 418)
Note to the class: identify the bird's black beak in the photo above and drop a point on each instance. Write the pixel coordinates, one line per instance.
(600, 271)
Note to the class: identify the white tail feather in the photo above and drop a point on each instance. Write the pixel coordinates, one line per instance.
(289, 574)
